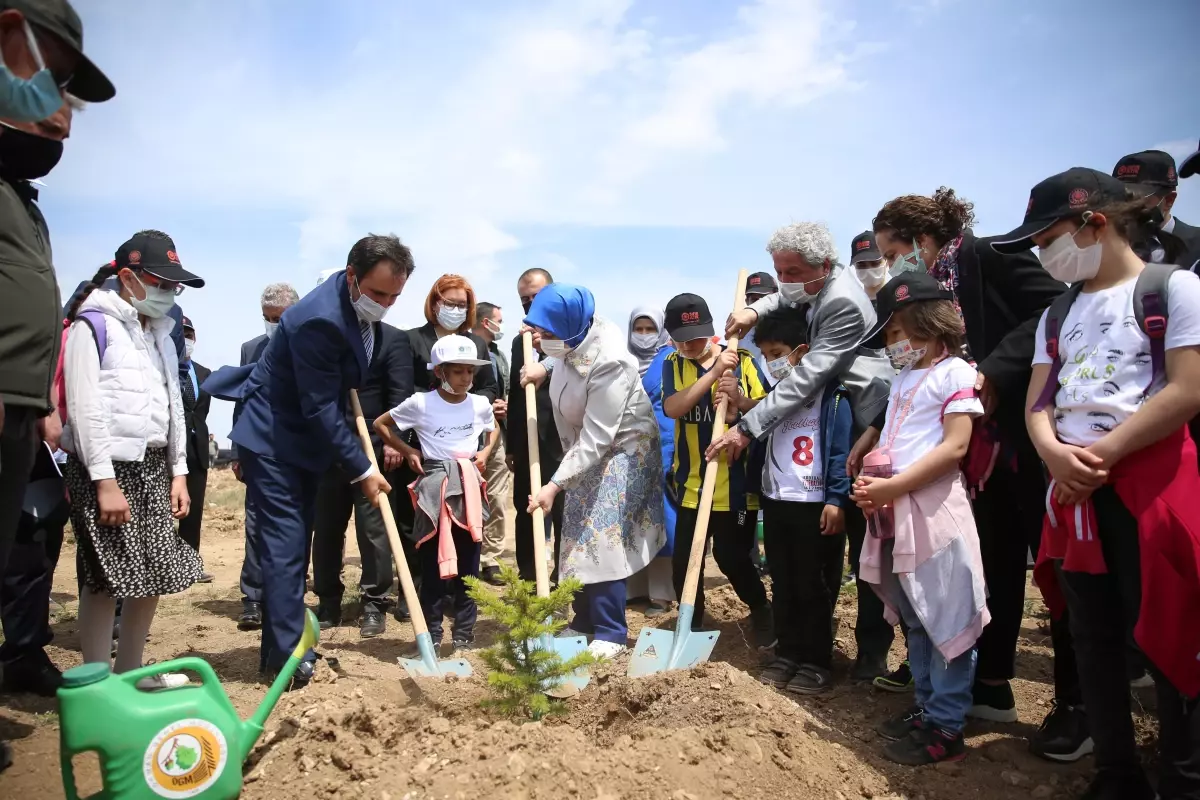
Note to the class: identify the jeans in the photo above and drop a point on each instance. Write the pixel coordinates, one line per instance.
(439, 595)
(943, 688)
(732, 534)
(600, 611)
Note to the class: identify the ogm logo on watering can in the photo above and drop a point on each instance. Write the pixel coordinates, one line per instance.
(185, 758)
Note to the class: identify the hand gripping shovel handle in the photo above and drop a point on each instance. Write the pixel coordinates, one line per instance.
(535, 474)
(700, 537)
(389, 522)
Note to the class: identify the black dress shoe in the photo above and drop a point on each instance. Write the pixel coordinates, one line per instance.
(491, 576)
(373, 624)
(329, 613)
(34, 673)
(300, 678)
(400, 612)
(251, 617)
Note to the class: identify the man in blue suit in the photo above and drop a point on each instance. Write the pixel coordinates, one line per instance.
(292, 424)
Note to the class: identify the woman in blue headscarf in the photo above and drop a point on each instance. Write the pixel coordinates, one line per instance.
(611, 468)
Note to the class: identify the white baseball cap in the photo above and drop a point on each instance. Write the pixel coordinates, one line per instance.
(455, 349)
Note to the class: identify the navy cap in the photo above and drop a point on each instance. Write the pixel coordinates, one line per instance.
(1062, 196)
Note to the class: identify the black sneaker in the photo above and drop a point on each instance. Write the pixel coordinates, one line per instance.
(251, 617)
(1106, 786)
(810, 680)
(779, 673)
(993, 703)
(1063, 736)
(901, 726)
(491, 576)
(868, 669)
(329, 613)
(300, 678)
(897, 682)
(33, 673)
(927, 746)
(763, 623)
(463, 643)
(373, 624)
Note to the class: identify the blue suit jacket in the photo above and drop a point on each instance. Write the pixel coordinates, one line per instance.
(294, 398)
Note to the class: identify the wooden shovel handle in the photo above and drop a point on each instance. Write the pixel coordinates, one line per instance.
(700, 536)
(535, 474)
(389, 523)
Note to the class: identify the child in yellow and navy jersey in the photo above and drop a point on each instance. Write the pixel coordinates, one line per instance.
(694, 380)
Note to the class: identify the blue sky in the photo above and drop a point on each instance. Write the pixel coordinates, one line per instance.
(641, 149)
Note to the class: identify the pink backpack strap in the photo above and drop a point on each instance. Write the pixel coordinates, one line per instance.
(961, 394)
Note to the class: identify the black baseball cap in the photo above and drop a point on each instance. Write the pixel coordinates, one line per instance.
(1147, 172)
(687, 317)
(156, 255)
(863, 248)
(761, 283)
(905, 288)
(1190, 165)
(59, 18)
(187, 324)
(1067, 194)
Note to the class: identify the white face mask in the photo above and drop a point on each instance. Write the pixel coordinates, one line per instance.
(555, 348)
(873, 276)
(796, 293)
(448, 389)
(490, 327)
(451, 318)
(781, 367)
(902, 354)
(910, 262)
(157, 303)
(366, 308)
(188, 346)
(644, 341)
(270, 327)
(1068, 262)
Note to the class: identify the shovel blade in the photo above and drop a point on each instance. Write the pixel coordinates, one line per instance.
(659, 650)
(428, 666)
(567, 648)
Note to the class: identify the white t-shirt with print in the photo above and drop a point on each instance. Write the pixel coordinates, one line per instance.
(917, 401)
(797, 469)
(1105, 355)
(447, 430)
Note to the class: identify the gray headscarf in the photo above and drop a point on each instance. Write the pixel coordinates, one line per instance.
(645, 355)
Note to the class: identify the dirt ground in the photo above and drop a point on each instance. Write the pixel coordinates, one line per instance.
(364, 730)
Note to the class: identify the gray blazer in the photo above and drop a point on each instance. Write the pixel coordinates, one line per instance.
(841, 317)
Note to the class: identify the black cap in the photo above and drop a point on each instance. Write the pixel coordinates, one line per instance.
(863, 248)
(905, 288)
(156, 255)
(687, 317)
(1062, 196)
(1148, 171)
(87, 83)
(187, 324)
(1190, 165)
(761, 283)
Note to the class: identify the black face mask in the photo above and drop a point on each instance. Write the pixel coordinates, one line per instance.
(1156, 217)
(25, 156)
(526, 304)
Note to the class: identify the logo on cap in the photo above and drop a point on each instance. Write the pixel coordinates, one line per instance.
(1170, 173)
(135, 257)
(901, 293)
(1077, 198)
(689, 316)
(172, 257)
(1128, 170)
(755, 281)
(863, 245)
(1029, 207)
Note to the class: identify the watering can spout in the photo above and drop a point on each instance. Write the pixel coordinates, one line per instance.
(253, 726)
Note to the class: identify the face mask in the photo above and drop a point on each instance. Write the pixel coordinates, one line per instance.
(1068, 262)
(902, 354)
(33, 99)
(496, 333)
(910, 262)
(188, 346)
(448, 389)
(781, 367)
(555, 348)
(27, 156)
(1156, 218)
(451, 318)
(157, 303)
(270, 327)
(874, 276)
(644, 341)
(796, 293)
(366, 308)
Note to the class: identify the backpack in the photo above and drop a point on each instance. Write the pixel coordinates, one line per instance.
(94, 318)
(1149, 309)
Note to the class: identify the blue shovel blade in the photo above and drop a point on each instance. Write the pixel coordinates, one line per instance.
(428, 666)
(567, 648)
(659, 650)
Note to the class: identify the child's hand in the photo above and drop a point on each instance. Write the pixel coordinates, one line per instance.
(181, 502)
(114, 509)
(1076, 469)
(544, 498)
(865, 444)
(728, 389)
(871, 493)
(413, 458)
(1070, 497)
(833, 520)
(728, 360)
(481, 459)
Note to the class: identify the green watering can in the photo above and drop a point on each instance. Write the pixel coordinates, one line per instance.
(186, 742)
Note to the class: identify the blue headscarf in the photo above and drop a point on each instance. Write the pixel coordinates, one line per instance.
(564, 310)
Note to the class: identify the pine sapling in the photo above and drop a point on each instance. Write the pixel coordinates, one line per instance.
(521, 667)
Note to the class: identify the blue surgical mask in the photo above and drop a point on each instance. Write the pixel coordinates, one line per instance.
(29, 99)
(910, 262)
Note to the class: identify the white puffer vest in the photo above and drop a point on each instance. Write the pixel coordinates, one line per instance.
(126, 373)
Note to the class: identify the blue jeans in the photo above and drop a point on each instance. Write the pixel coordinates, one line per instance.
(943, 688)
(600, 611)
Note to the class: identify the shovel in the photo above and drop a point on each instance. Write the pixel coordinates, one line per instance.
(658, 650)
(567, 647)
(427, 666)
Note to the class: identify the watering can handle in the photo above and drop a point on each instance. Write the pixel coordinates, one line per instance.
(189, 663)
(535, 475)
(389, 523)
(700, 537)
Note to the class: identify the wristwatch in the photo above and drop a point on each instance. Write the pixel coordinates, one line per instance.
(743, 428)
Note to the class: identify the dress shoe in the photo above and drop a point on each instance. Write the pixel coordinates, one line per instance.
(491, 576)
(329, 613)
(251, 617)
(300, 678)
(33, 673)
(373, 624)
(400, 612)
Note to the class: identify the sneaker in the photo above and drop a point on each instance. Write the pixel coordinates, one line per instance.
(1063, 736)
(33, 673)
(993, 703)
(779, 673)
(329, 613)
(1106, 786)
(602, 649)
(868, 669)
(927, 746)
(373, 624)
(848, 578)
(656, 609)
(491, 576)
(901, 726)
(898, 682)
(462, 644)
(810, 680)
(164, 680)
(763, 623)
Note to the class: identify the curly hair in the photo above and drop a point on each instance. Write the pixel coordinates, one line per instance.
(942, 217)
(445, 284)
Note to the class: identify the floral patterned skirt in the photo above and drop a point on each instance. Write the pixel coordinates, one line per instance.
(613, 515)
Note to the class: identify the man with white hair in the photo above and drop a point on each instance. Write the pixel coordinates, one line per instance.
(276, 299)
(839, 314)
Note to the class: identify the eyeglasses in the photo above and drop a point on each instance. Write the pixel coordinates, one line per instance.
(454, 304)
(154, 280)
